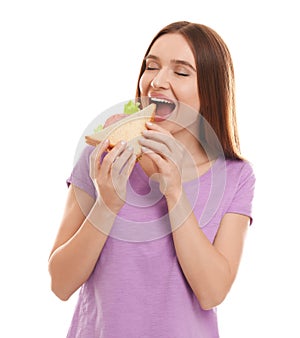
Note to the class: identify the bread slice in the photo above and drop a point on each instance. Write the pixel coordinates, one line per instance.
(128, 129)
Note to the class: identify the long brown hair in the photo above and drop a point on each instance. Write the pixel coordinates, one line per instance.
(216, 84)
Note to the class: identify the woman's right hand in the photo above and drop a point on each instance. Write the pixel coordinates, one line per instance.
(111, 172)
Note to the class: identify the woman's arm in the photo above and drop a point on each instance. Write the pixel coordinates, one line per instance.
(87, 223)
(78, 243)
(210, 269)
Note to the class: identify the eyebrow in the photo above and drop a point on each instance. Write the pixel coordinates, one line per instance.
(177, 62)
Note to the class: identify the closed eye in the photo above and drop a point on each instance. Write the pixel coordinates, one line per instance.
(181, 70)
(151, 68)
(152, 65)
(182, 74)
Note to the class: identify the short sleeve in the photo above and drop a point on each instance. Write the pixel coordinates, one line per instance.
(80, 175)
(244, 193)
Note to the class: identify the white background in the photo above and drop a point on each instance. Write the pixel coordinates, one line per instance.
(62, 63)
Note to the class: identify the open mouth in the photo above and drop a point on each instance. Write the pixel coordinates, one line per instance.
(164, 108)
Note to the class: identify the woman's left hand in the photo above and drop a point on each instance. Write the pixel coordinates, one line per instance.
(167, 154)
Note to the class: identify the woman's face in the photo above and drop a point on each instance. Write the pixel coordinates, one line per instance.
(170, 79)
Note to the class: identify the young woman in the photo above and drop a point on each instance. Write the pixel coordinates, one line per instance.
(155, 244)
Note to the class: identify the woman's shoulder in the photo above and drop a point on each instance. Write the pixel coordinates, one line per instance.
(240, 173)
(242, 166)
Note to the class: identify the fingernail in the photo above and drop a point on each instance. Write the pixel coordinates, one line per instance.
(123, 142)
(145, 132)
(149, 123)
(130, 148)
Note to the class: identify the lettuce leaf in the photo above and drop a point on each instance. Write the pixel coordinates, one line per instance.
(131, 107)
(98, 128)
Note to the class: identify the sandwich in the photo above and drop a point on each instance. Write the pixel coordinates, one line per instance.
(128, 129)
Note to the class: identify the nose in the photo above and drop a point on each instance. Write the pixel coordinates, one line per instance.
(161, 79)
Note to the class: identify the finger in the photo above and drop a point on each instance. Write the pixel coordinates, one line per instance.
(156, 146)
(112, 155)
(156, 127)
(121, 160)
(96, 156)
(162, 137)
(155, 157)
(129, 165)
(119, 176)
(160, 160)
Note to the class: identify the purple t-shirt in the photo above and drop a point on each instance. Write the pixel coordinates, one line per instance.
(137, 289)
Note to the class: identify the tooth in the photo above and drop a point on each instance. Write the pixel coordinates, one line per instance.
(161, 100)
